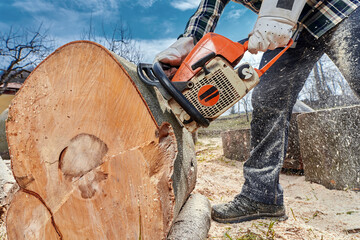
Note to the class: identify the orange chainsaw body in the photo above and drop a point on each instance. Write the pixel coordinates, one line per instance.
(208, 82)
(211, 42)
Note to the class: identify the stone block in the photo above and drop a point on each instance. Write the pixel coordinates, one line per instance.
(330, 147)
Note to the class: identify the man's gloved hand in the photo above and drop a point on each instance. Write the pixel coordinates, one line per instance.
(175, 54)
(274, 25)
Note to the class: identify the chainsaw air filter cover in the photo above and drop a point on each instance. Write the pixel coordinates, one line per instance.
(216, 92)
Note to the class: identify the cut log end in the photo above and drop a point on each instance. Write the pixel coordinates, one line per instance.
(85, 152)
(85, 142)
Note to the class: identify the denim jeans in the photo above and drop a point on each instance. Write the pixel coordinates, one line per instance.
(274, 97)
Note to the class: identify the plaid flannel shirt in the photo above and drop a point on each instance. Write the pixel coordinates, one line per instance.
(318, 16)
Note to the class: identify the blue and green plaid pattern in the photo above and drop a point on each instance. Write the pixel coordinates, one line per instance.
(318, 16)
(205, 18)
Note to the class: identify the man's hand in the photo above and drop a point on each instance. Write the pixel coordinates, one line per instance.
(269, 33)
(274, 25)
(175, 54)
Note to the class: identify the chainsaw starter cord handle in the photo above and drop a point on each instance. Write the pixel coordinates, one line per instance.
(178, 96)
(201, 62)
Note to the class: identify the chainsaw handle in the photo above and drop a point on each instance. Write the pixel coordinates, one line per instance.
(261, 71)
(149, 78)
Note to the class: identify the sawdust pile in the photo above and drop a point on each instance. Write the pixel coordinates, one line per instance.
(314, 211)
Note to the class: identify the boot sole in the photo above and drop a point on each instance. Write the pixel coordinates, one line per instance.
(278, 217)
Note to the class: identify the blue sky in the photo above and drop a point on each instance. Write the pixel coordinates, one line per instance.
(154, 24)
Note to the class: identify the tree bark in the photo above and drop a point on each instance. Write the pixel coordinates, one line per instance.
(193, 222)
(92, 152)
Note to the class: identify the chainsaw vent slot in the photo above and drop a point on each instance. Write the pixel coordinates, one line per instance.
(228, 94)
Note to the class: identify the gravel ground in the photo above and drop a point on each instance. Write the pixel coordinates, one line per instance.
(314, 211)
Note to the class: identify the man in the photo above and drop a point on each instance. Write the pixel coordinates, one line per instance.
(322, 26)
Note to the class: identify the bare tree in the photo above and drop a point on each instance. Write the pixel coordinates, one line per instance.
(326, 87)
(20, 51)
(246, 103)
(322, 88)
(119, 40)
(232, 110)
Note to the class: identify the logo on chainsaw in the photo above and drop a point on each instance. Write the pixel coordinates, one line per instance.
(208, 95)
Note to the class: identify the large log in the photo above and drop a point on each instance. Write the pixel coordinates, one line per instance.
(90, 158)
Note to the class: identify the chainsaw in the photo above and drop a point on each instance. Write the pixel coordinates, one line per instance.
(207, 83)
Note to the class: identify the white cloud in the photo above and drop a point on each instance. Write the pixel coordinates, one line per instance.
(168, 27)
(34, 5)
(186, 4)
(253, 59)
(147, 3)
(235, 14)
(64, 18)
(149, 48)
(95, 5)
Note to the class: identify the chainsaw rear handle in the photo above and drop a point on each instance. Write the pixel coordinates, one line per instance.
(261, 71)
(178, 96)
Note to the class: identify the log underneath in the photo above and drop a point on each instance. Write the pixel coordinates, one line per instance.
(88, 154)
(193, 222)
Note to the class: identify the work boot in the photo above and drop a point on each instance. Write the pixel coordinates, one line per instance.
(244, 209)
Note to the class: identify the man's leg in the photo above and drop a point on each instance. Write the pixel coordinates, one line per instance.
(344, 49)
(273, 100)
